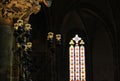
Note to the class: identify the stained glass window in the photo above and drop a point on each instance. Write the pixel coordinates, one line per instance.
(77, 71)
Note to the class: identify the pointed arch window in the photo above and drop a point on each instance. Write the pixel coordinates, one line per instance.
(77, 70)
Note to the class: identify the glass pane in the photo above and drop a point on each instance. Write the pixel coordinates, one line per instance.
(77, 70)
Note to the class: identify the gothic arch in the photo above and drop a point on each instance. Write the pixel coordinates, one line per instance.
(72, 24)
(101, 29)
(91, 25)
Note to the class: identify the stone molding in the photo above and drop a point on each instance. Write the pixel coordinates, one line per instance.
(18, 9)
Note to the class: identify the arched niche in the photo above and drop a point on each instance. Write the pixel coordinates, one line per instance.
(101, 49)
(72, 25)
(72, 22)
(94, 30)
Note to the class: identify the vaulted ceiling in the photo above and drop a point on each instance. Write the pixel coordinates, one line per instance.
(87, 13)
(107, 11)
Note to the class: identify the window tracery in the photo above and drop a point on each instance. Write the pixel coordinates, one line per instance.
(77, 71)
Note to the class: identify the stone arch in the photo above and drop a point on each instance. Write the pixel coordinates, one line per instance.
(91, 25)
(72, 24)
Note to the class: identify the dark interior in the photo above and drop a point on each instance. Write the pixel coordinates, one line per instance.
(96, 21)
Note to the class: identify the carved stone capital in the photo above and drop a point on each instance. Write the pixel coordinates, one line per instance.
(18, 9)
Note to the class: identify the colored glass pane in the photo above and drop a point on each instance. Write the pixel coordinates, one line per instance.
(77, 59)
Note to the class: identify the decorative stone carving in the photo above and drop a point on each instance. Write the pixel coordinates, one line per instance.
(11, 10)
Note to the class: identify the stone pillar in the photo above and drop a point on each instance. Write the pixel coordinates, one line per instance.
(10, 11)
(6, 41)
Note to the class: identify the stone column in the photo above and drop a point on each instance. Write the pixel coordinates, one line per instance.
(10, 11)
(6, 39)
